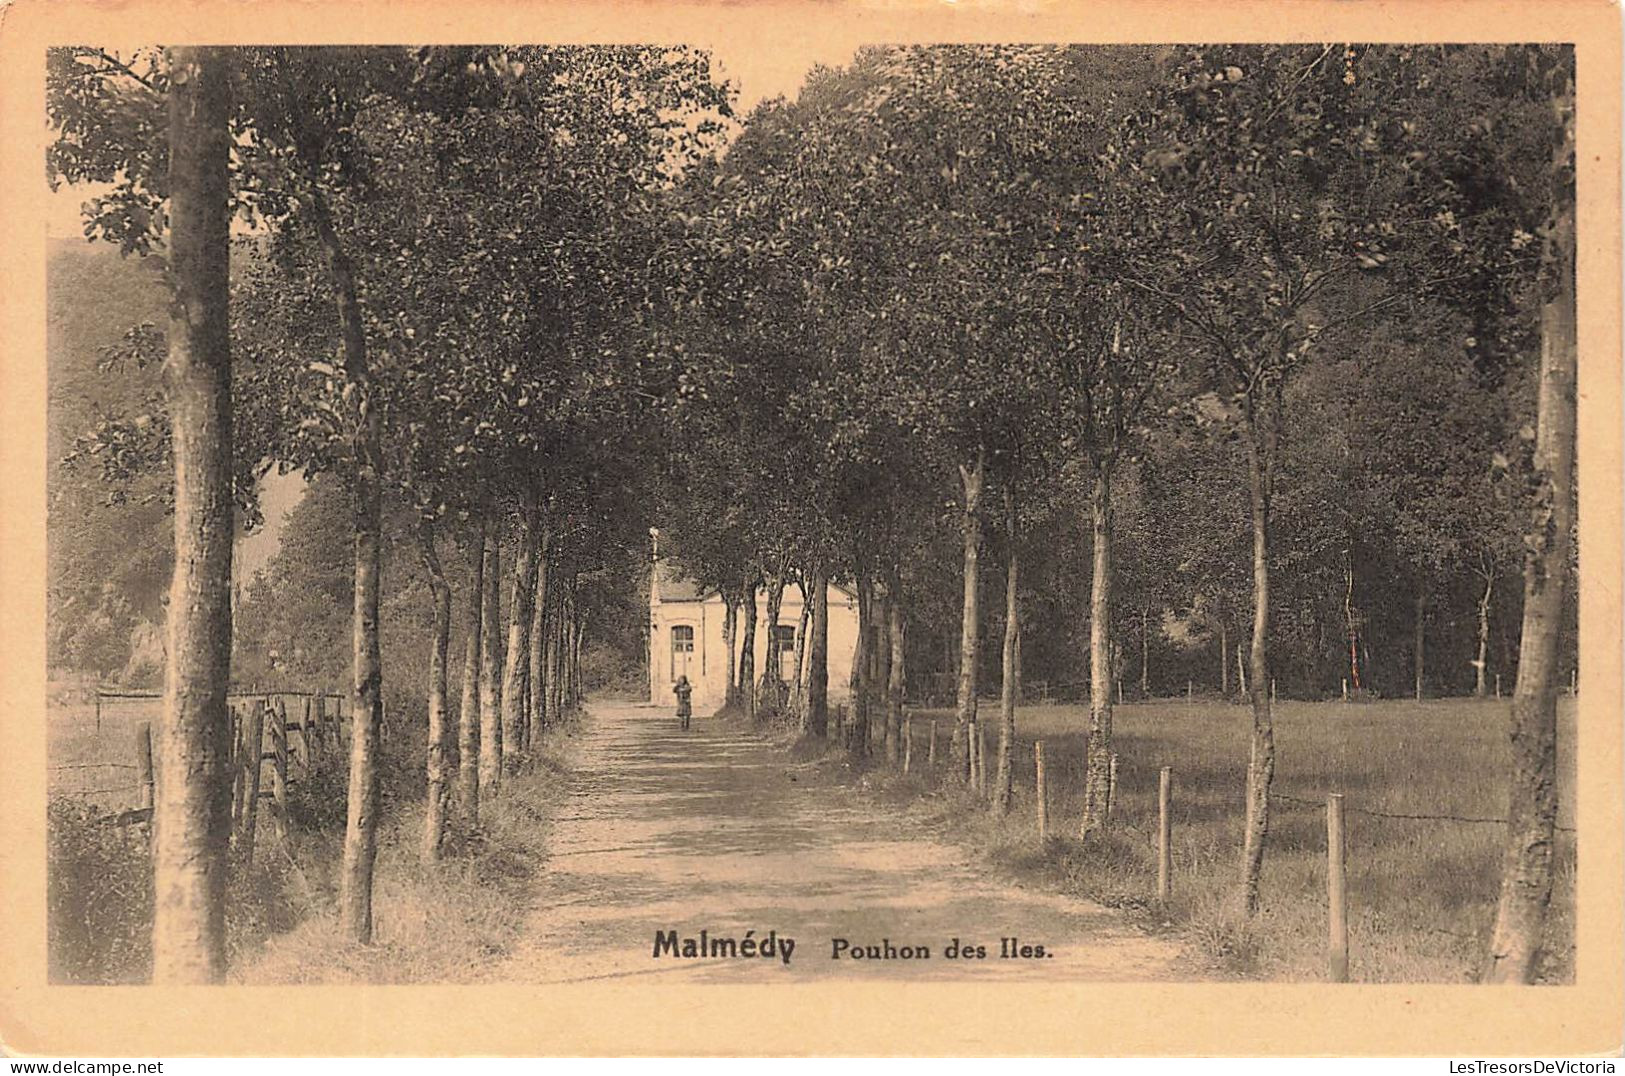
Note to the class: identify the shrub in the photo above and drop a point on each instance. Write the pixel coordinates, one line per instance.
(99, 897)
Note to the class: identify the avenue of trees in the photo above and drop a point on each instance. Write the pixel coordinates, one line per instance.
(1063, 360)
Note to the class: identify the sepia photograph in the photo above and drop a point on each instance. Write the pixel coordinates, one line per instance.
(660, 514)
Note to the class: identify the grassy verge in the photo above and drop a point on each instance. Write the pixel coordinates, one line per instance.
(441, 922)
(1421, 891)
(444, 922)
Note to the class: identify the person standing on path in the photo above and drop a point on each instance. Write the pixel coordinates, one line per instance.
(685, 707)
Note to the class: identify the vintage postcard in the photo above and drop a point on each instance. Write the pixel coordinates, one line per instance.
(937, 528)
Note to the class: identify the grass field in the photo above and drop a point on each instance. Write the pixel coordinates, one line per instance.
(95, 760)
(1421, 892)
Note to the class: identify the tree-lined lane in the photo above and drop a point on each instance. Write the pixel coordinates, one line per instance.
(716, 830)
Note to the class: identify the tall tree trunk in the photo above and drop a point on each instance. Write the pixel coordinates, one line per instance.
(366, 718)
(572, 690)
(491, 668)
(730, 642)
(798, 701)
(1526, 870)
(538, 642)
(1261, 754)
(578, 635)
(891, 732)
(1097, 764)
(1482, 664)
(1419, 641)
(772, 683)
(970, 480)
(818, 659)
(439, 745)
(747, 655)
(857, 743)
(515, 693)
(554, 689)
(1241, 670)
(1224, 660)
(1002, 777)
(895, 669)
(192, 802)
(1145, 651)
(468, 716)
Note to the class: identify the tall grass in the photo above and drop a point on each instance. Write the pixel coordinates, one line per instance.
(445, 922)
(1421, 892)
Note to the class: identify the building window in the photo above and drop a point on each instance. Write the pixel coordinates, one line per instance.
(682, 649)
(784, 648)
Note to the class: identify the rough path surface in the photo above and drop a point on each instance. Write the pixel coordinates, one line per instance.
(713, 829)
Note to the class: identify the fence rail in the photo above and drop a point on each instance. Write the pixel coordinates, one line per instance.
(262, 731)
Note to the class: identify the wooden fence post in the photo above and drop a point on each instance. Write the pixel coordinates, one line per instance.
(1040, 791)
(1190, 691)
(1272, 691)
(307, 749)
(143, 769)
(1165, 791)
(1119, 692)
(253, 752)
(1336, 892)
(908, 743)
(931, 748)
(1497, 685)
(1345, 689)
(1574, 682)
(279, 764)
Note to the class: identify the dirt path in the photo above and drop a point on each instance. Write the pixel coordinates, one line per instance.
(714, 830)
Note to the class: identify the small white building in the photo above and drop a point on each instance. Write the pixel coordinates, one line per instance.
(685, 638)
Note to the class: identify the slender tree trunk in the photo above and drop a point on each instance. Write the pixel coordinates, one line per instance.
(747, 656)
(1145, 651)
(1002, 776)
(969, 640)
(1419, 641)
(772, 684)
(192, 802)
(1526, 871)
(1097, 764)
(895, 670)
(1482, 664)
(891, 731)
(818, 659)
(858, 683)
(1261, 755)
(555, 690)
(572, 639)
(538, 643)
(798, 701)
(491, 669)
(366, 718)
(468, 716)
(515, 693)
(439, 744)
(1224, 660)
(730, 640)
(578, 634)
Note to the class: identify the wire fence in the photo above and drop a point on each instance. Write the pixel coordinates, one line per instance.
(92, 745)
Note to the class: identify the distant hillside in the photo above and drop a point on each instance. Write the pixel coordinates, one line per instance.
(108, 564)
(93, 296)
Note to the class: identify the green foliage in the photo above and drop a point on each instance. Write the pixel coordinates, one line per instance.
(99, 897)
